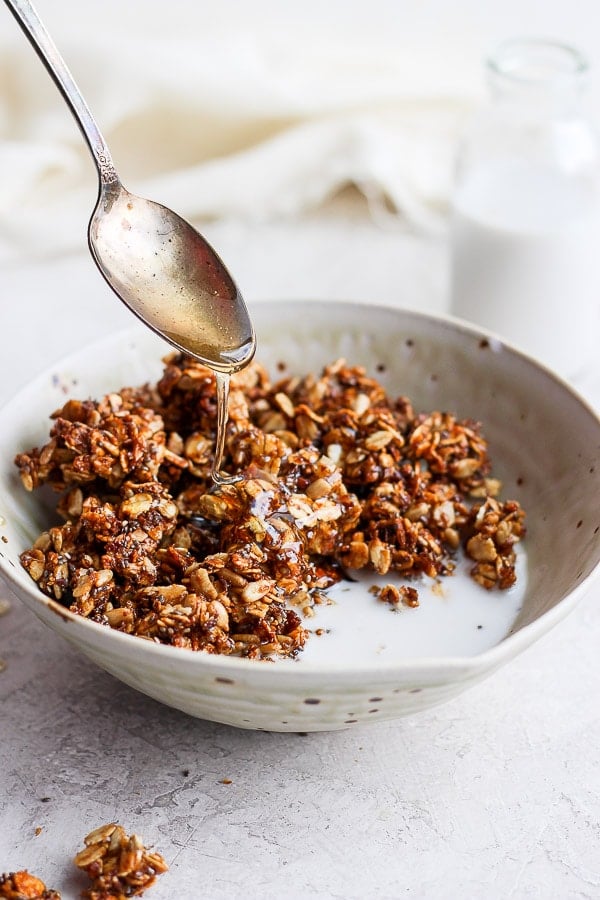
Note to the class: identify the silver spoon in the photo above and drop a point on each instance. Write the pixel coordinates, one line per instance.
(155, 262)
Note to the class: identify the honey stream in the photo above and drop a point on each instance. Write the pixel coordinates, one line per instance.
(218, 476)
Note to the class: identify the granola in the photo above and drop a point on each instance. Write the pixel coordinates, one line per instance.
(336, 476)
(117, 864)
(24, 886)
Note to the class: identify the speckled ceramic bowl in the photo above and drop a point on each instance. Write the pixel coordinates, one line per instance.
(372, 664)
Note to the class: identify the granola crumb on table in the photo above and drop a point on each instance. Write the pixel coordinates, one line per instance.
(118, 865)
(336, 476)
(24, 886)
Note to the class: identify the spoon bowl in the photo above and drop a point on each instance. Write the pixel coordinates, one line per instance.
(171, 278)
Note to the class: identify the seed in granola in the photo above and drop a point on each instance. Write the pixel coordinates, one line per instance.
(285, 404)
(481, 548)
(378, 440)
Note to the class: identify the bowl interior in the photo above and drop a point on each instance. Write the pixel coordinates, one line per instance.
(544, 441)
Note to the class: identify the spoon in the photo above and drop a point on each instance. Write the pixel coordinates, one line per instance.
(155, 261)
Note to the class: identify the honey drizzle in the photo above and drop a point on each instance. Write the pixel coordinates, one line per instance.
(218, 476)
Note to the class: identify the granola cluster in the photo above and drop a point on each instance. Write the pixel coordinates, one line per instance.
(335, 476)
(118, 865)
(24, 886)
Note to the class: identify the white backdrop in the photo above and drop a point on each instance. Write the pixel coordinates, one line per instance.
(254, 110)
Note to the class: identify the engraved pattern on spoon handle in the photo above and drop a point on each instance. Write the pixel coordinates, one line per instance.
(28, 19)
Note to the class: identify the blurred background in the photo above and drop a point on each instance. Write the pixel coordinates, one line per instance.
(313, 143)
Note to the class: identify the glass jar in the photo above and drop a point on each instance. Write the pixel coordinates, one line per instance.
(525, 228)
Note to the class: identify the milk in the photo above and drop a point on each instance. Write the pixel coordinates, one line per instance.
(455, 617)
(525, 243)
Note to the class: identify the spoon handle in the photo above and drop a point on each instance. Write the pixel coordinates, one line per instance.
(28, 19)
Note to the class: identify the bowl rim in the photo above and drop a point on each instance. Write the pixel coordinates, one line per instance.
(467, 666)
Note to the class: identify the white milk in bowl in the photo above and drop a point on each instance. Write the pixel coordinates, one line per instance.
(525, 244)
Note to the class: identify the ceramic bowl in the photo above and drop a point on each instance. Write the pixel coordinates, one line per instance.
(371, 664)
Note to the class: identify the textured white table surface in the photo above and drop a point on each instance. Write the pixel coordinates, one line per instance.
(495, 794)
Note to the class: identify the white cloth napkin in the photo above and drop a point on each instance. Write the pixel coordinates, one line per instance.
(238, 122)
